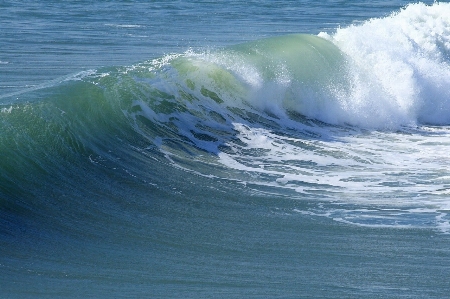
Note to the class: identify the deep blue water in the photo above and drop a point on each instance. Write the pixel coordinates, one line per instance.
(212, 149)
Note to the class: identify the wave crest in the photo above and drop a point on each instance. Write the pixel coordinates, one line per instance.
(399, 67)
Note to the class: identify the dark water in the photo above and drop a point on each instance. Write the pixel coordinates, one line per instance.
(203, 150)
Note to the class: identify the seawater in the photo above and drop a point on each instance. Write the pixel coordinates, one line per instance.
(287, 149)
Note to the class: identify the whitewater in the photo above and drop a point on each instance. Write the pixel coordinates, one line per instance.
(290, 165)
(322, 116)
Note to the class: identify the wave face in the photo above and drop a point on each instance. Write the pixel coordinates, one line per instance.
(383, 73)
(187, 163)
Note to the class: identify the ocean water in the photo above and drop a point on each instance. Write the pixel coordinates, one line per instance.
(212, 149)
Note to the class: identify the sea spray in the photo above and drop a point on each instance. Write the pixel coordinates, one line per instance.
(384, 73)
(400, 67)
(292, 73)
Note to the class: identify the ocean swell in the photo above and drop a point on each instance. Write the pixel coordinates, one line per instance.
(292, 113)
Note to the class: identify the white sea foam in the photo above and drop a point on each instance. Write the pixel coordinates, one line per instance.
(401, 178)
(399, 74)
(6, 110)
(395, 79)
(395, 71)
(124, 25)
(399, 68)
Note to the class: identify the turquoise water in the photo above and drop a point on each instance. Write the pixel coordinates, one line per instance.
(287, 149)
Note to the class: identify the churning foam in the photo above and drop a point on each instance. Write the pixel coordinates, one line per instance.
(376, 179)
(399, 68)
